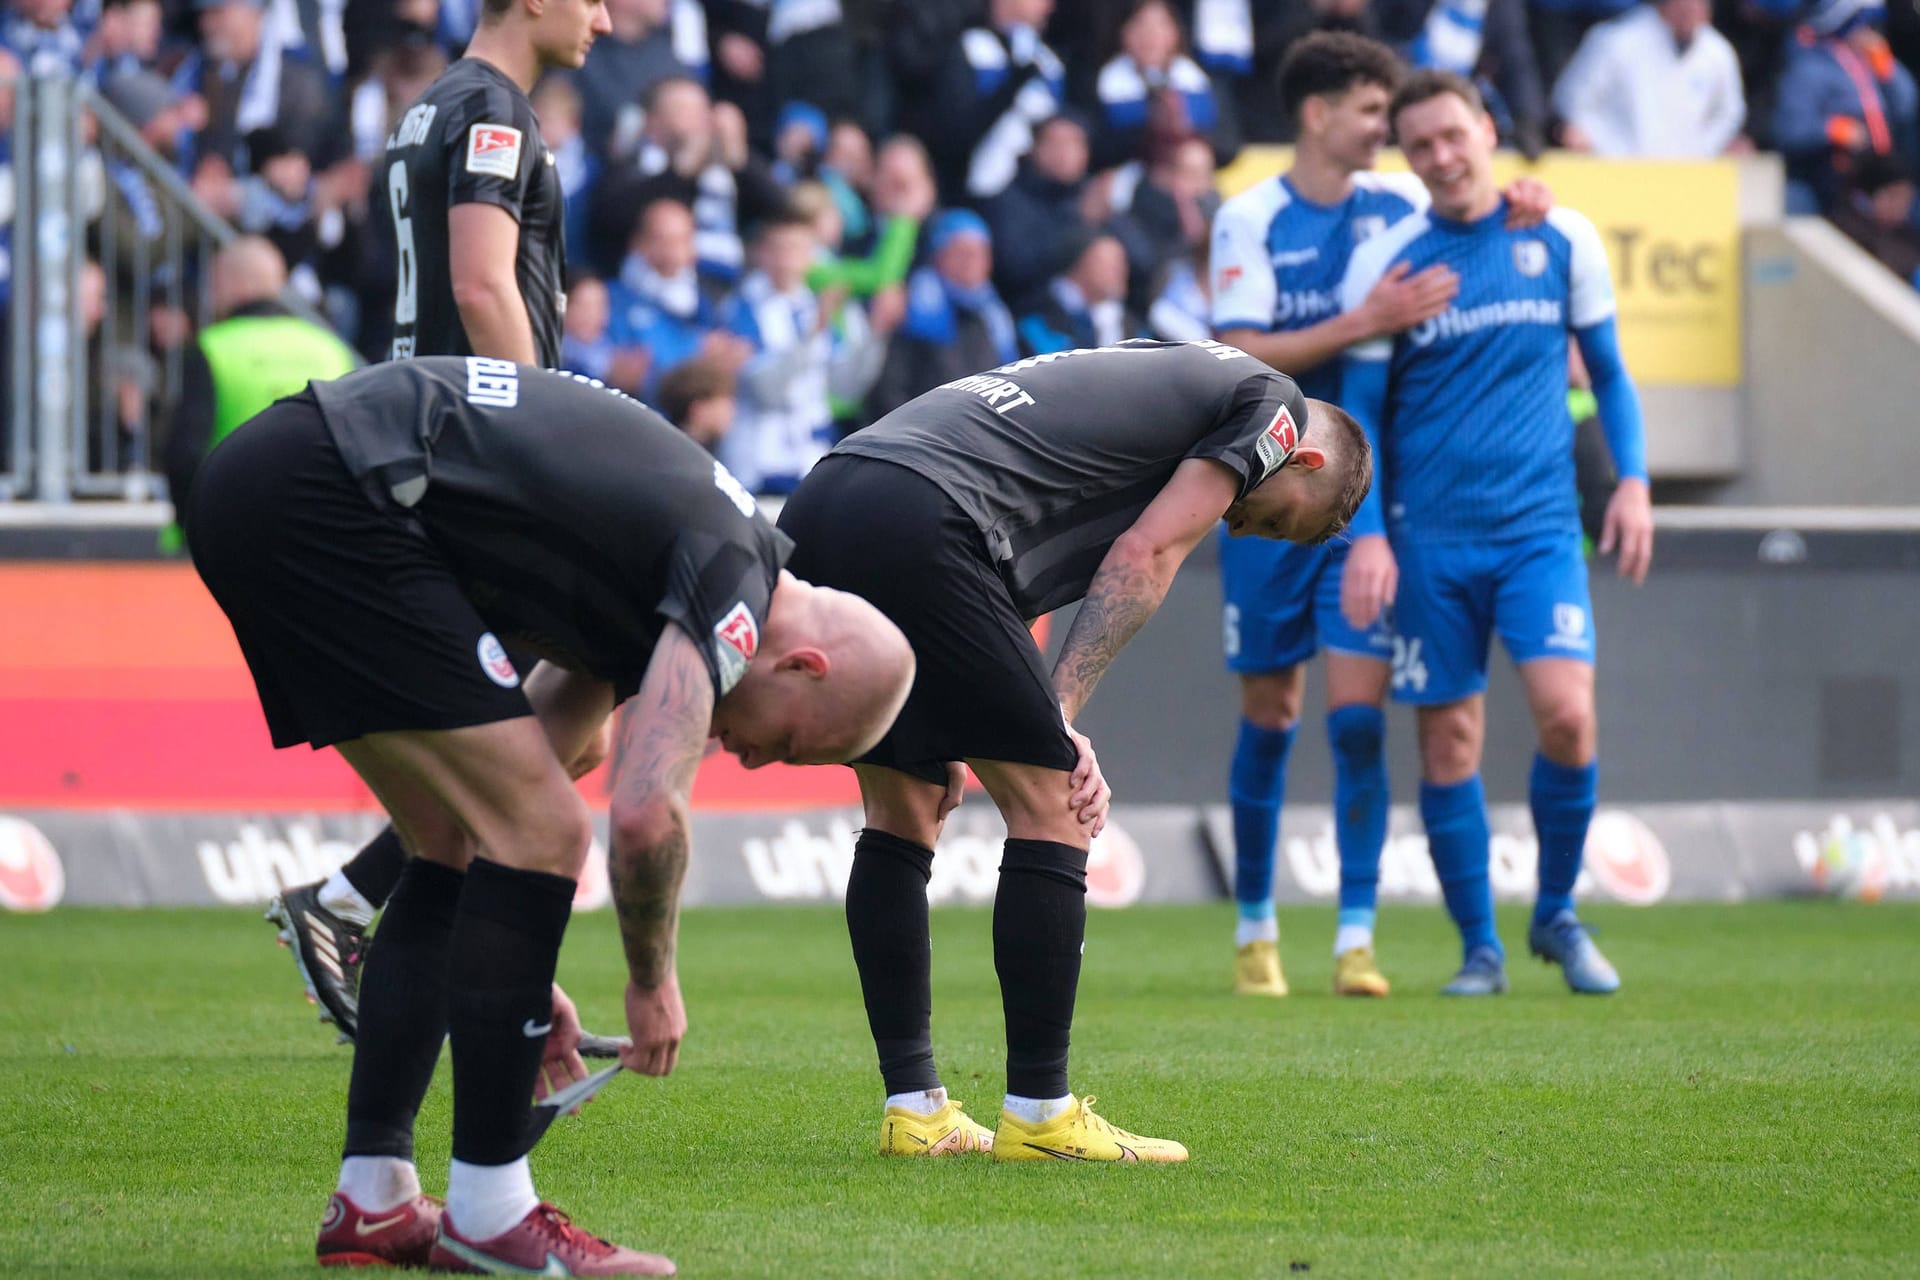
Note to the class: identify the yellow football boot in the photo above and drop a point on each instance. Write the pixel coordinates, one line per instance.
(1256, 970)
(1078, 1134)
(947, 1132)
(1356, 974)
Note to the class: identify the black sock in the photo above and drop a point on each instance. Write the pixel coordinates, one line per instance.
(1039, 924)
(505, 946)
(375, 870)
(887, 920)
(403, 1011)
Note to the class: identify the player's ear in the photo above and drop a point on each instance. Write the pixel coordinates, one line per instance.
(1313, 114)
(1308, 458)
(807, 660)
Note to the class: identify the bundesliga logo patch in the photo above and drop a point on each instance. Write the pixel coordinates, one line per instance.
(493, 149)
(1277, 443)
(739, 638)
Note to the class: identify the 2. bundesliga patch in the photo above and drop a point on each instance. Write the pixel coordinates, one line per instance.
(739, 640)
(494, 150)
(1277, 443)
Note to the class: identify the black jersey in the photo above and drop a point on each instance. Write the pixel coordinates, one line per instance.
(471, 138)
(576, 520)
(1056, 456)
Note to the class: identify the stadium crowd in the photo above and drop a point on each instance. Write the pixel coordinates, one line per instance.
(816, 209)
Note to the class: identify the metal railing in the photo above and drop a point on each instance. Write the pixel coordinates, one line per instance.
(89, 374)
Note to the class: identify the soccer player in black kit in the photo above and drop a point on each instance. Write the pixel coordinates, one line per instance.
(964, 514)
(375, 541)
(477, 215)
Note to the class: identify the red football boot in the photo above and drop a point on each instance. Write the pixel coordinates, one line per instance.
(544, 1243)
(401, 1237)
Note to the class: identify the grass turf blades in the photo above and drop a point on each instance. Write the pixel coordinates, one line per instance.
(1749, 1105)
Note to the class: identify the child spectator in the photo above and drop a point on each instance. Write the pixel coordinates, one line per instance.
(800, 358)
(699, 398)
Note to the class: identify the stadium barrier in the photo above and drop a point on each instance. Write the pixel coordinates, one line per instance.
(77, 401)
(1636, 856)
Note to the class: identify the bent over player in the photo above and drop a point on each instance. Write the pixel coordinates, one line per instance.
(477, 214)
(375, 542)
(1085, 475)
(1475, 527)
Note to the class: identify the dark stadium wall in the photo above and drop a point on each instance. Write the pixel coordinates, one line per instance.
(1754, 664)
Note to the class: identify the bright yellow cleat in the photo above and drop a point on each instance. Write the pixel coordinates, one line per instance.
(1256, 970)
(1078, 1134)
(947, 1132)
(1356, 974)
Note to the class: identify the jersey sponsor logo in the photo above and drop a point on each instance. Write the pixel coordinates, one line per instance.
(31, 875)
(1305, 306)
(1277, 443)
(739, 637)
(494, 150)
(494, 384)
(1454, 323)
(1228, 277)
(495, 662)
(1529, 257)
(1283, 258)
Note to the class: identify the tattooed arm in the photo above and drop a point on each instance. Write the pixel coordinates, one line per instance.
(1134, 577)
(667, 728)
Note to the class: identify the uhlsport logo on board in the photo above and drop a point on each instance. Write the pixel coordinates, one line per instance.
(31, 877)
(800, 862)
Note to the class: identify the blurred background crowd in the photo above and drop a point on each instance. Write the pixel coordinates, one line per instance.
(786, 217)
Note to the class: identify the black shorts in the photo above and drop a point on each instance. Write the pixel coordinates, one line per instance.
(348, 618)
(982, 691)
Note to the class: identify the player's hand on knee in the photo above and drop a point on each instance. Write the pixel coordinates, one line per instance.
(657, 1021)
(560, 1063)
(1529, 201)
(1628, 528)
(956, 790)
(1368, 583)
(1088, 794)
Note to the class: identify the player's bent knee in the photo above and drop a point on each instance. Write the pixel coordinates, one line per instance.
(553, 838)
(1356, 733)
(1449, 743)
(1272, 700)
(1569, 732)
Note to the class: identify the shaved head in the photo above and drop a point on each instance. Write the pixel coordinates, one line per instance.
(247, 269)
(831, 676)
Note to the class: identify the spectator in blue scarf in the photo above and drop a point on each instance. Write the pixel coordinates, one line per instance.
(956, 323)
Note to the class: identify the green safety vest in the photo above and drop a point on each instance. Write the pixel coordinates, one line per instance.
(255, 360)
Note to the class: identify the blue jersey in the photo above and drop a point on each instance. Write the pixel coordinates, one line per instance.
(1476, 441)
(1278, 258)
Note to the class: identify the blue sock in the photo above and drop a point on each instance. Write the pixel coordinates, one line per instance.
(1562, 797)
(1256, 785)
(1456, 820)
(1358, 735)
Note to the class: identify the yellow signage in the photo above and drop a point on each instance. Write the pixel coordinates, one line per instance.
(1672, 231)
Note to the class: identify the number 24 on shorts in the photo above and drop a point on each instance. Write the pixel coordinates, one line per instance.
(1409, 668)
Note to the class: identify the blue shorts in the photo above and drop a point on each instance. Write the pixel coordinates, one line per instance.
(1454, 595)
(1283, 605)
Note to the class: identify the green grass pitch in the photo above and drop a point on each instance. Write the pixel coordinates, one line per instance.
(1749, 1106)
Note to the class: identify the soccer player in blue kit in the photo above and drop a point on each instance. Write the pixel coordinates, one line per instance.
(1280, 250)
(1474, 525)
